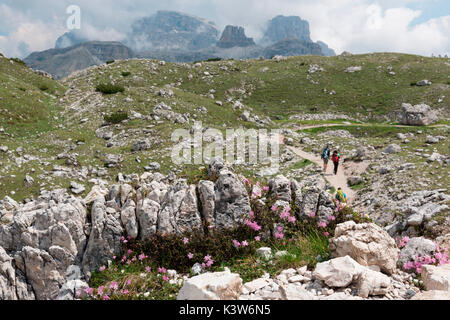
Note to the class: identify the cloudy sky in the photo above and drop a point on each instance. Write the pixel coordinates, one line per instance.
(359, 26)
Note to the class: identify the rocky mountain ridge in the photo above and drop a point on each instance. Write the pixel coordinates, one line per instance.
(178, 37)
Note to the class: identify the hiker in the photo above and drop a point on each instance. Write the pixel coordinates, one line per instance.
(325, 157)
(336, 158)
(341, 196)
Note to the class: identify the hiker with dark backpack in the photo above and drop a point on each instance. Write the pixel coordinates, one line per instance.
(336, 158)
(325, 157)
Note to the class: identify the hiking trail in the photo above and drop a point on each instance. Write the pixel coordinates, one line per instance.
(337, 181)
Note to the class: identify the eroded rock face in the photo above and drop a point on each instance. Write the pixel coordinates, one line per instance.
(212, 286)
(179, 210)
(104, 239)
(367, 243)
(232, 201)
(418, 115)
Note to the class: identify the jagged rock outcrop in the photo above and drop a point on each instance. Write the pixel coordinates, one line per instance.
(232, 203)
(234, 36)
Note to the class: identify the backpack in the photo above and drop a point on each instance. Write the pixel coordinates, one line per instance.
(336, 157)
(325, 153)
(340, 196)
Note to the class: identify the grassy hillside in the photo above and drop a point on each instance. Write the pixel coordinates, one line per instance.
(55, 123)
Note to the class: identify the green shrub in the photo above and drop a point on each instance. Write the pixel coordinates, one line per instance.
(126, 74)
(19, 61)
(116, 117)
(109, 88)
(43, 87)
(110, 61)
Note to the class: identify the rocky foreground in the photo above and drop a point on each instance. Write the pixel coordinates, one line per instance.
(365, 269)
(49, 247)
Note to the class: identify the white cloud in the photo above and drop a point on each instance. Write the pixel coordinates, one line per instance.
(353, 25)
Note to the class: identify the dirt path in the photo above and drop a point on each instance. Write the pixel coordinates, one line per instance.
(337, 181)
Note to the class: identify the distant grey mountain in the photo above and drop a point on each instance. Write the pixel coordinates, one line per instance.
(170, 30)
(179, 37)
(327, 51)
(281, 28)
(292, 47)
(62, 62)
(70, 39)
(234, 36)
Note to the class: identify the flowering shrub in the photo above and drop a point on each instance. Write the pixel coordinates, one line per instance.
(130, 277)
(141, 276)
(438, 258)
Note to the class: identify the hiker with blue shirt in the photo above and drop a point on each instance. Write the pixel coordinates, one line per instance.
(326, 157)
(341, 196)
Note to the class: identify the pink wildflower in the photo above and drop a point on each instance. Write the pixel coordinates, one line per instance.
(142, 257)
(312, 214)
(244, 243)
(185, 240)
(114, 286)
(89, 291)
(236, 243)
(322, 224)
(102, 268)
(190, 256)
(279, 235)
(100, 290)
(274, 208)
(148, 269)
(162, 270)
(106, 297)
(257, 238)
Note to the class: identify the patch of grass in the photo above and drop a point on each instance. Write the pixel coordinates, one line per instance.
(109, 88)
(126, 74)
(301, 164)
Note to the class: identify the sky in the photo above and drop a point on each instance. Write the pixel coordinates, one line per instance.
(358, 26)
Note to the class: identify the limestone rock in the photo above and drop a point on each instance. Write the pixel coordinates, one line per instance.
(212, 286)
(418, 115)
(436, 278)
(338, 272)
(367, 243)
(373, 283)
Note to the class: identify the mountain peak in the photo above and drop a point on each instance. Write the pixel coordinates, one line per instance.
(282, 28)
(234, 36)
